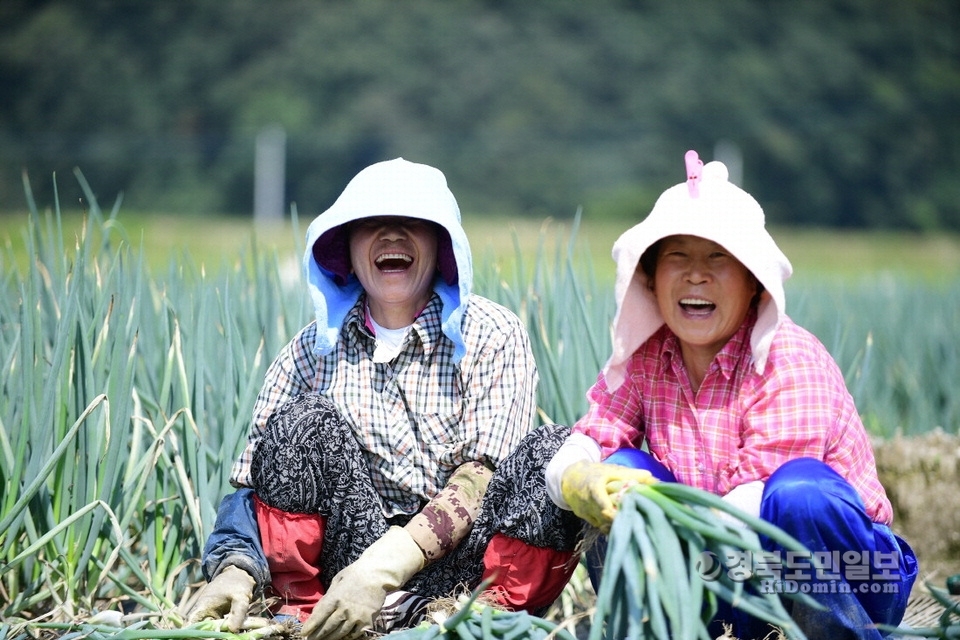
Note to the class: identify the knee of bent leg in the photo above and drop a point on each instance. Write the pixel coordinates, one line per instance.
(803, 486)
(639, 459)
(288, 467)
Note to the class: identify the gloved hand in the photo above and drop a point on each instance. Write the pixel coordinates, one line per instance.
(589, 488)
(357, 593)
(228, 596)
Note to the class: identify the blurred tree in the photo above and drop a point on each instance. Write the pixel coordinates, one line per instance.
(844, 111)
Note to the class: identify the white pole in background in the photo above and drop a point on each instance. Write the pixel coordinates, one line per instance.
(269, 170)
(729, 153)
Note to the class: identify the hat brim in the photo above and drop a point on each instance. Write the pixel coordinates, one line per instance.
(332, 252)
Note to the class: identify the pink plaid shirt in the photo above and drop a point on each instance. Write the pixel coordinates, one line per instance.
(739, 426)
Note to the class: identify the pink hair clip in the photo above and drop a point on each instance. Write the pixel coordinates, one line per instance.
(694, 171)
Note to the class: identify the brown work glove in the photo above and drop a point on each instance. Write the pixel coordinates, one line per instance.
(227, 596)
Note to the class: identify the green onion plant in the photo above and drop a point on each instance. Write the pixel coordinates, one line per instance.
(655, 582)
(127, 395)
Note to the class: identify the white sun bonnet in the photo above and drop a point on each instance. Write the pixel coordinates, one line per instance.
(391, 188)
(709, 206)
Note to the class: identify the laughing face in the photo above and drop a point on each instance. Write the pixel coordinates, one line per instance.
(704, 294)
(395, 259)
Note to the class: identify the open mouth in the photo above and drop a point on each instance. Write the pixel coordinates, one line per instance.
(393, 262)
(697, 306)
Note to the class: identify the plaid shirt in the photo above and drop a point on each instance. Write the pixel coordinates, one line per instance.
(418, 417)
(739, 426)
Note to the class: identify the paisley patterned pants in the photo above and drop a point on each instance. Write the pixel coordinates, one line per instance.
(309, 462)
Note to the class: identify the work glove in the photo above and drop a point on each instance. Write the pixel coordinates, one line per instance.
(227, 596)
(745, 497)
(357, 593)
(590, 488)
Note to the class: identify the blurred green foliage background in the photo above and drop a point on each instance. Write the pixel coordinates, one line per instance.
(841, 113)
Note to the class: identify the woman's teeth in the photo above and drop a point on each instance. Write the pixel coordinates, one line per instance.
(696, 304)
(392, 261)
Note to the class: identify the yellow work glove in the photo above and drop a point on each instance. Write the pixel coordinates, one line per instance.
(357, 593)
(227, 596)
(590, 487)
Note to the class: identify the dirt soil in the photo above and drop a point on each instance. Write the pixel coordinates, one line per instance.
(922, 477)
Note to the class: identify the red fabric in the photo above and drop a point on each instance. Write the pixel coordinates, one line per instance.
(292, 543)
(525, 576)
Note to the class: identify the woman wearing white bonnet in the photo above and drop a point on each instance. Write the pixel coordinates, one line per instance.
(726, 393)
(392, 459)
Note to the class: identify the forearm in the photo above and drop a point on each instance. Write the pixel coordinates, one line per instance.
(613, 420)
(448, 518)
(235, 540)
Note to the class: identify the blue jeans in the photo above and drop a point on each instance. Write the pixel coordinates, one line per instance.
(818, 507)
(236, 540)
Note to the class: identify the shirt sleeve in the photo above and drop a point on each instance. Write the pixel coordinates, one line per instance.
(613, 420)
(291, 373)
(500, 387)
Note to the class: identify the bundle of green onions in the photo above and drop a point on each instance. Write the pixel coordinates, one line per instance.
(653, 583)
